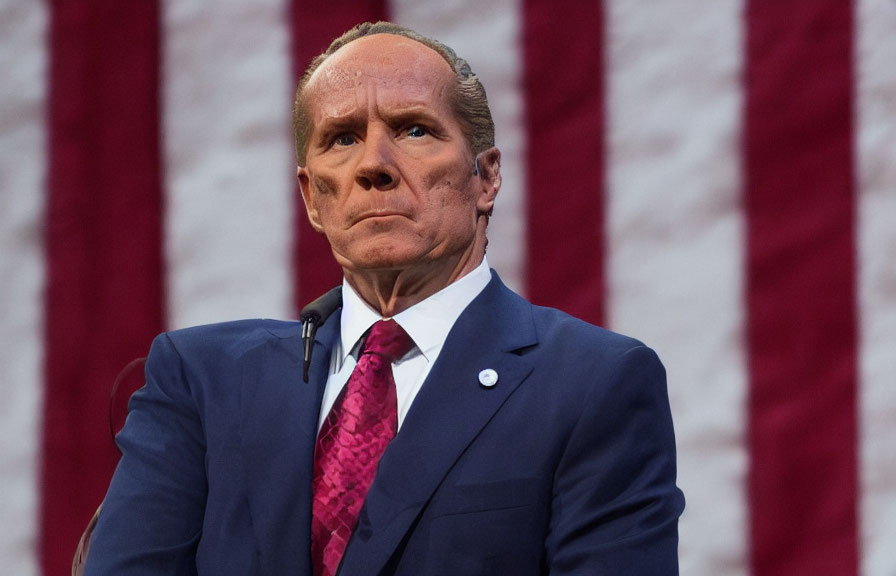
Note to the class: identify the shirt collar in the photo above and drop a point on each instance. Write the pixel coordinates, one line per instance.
(427, 322)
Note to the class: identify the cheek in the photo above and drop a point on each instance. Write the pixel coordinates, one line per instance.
(325, 194)
(449, 185)
(454, 195)
(440, 174)
(324, 185)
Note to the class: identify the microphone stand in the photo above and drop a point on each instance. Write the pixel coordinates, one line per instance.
(313, 316)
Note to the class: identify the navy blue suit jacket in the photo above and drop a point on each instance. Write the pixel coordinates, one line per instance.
(565, 466)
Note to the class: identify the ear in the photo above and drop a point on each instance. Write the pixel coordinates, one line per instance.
(488, 163)
(304, 178)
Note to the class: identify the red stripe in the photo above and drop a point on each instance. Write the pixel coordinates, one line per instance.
(314, 27)
(801, 288)
(103, 247)
(564, 90)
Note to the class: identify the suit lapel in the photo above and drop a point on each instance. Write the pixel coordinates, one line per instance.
(279, 415)
(451, 408)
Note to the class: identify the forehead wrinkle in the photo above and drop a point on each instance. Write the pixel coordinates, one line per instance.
(384, 97)
(359, 79)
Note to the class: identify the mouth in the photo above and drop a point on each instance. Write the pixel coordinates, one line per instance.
(375, 215)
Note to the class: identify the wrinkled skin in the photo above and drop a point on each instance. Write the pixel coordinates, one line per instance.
(389, 177)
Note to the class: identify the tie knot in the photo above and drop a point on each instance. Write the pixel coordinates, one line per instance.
(387, 339)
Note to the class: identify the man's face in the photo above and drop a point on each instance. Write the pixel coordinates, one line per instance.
(389, 177)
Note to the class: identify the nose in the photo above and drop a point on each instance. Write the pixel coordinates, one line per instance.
(376, 168)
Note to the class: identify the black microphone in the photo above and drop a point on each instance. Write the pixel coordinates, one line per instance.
(313, 316)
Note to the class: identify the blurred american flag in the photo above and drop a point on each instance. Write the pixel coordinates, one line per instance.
(716, 178)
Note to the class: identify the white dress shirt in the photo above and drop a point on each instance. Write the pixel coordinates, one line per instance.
(427, 323)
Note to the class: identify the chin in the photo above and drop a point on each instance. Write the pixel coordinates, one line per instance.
(383, 258)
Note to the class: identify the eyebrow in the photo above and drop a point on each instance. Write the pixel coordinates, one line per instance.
(357, 120)
(411, 114)
(330, 125)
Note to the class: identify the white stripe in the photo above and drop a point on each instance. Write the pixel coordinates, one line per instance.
(675, 245)
(228, 160)
(876, 105)
(23, 59)
(486, 34)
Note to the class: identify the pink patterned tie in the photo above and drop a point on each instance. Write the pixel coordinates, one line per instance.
(351, 441)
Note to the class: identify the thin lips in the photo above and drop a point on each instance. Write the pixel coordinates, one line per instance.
(379, 214)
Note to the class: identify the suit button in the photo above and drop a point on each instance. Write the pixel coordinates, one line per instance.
(488, 377)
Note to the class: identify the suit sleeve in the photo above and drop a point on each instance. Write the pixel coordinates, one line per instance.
(152, 516)
(615, 504)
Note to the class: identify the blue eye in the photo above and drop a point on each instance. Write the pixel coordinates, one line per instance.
(344, 140)
(417, 132)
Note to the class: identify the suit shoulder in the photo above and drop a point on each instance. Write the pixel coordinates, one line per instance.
(556, 325)
(554, 330)
(230, 338)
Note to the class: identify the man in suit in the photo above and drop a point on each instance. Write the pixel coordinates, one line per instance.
(528, 442)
